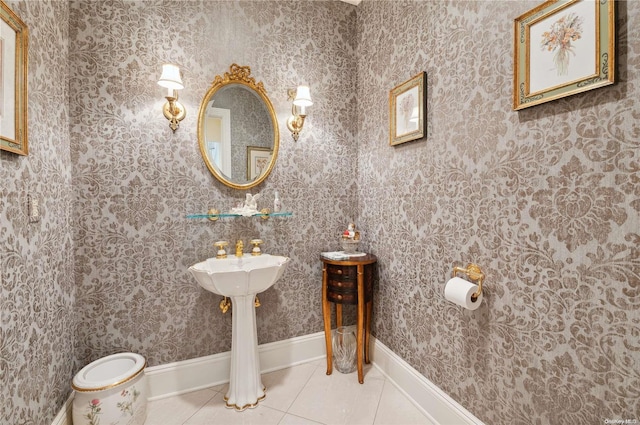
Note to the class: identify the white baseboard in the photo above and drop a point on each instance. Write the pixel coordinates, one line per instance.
(64, 415)
(189, 375)
(181, 377)
(434, 403)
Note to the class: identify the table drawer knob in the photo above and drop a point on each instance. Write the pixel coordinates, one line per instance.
(338, 271)
(339, 297)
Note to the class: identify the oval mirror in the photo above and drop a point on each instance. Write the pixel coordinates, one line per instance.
(238, 130)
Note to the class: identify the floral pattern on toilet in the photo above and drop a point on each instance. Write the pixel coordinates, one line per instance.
(93, 410)
(119, 409)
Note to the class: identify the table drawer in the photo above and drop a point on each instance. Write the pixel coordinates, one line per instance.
(342, 285)
(342, 273)
(342, 297)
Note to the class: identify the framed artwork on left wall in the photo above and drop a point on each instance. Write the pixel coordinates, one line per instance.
(13, 82)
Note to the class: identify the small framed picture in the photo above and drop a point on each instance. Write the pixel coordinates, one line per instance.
(407, 110)
(562, 47)
(258, 160)
(13, 82)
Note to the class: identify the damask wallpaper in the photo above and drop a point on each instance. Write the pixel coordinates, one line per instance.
(545, 200)
(135, 180)
(37, 289)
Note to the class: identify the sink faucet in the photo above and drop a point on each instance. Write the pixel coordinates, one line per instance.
(239, 248)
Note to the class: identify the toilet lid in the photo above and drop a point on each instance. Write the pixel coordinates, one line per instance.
(108, 372)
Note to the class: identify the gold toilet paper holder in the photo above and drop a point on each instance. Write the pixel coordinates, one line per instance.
(473, 272)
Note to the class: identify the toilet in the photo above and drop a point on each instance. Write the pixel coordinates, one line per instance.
(111, 390)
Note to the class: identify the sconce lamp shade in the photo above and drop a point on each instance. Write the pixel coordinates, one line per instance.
(303, 96)
(298, 110)
(170, 77)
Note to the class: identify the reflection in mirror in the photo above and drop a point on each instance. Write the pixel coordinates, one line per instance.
(236, 123)
(237, 130)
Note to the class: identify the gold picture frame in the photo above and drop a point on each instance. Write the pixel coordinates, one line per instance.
(563, 47)
(13, 82)
(258, 159)
(407, 109)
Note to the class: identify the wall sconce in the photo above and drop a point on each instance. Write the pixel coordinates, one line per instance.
(301, 100)
(173, 110)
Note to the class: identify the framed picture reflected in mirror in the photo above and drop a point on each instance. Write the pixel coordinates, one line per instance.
(258, 159)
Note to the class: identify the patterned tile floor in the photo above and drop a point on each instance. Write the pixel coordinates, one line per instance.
(300, 395)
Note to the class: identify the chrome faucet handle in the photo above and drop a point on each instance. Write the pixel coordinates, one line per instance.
(222, 252)
(256, 246)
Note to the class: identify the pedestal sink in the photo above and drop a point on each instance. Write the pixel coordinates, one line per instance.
(241, 278)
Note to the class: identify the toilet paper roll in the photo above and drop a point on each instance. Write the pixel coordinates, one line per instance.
(459, 291)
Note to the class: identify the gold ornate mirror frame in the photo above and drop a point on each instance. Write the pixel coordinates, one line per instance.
(238, 75)
(13, 122)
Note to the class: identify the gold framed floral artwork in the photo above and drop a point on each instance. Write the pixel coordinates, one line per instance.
(13, 82)
(407, 109)
(562, 47)
(258, 159)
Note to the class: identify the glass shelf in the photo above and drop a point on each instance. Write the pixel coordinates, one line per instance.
(230, 215)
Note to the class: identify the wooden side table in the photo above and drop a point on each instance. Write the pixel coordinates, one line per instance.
(349, 282)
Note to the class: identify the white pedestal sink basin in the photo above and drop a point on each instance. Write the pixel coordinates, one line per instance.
(241, 278)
